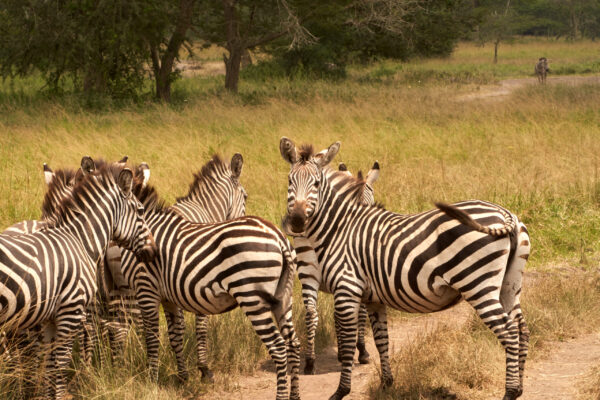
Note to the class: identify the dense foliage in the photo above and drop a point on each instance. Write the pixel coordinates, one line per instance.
(113, 46)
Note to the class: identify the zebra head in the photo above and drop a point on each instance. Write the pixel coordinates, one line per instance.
(130, 228)
(304, 180)
(237, 207)
(368, 194)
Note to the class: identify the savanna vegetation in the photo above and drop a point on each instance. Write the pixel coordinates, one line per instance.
(535, 152)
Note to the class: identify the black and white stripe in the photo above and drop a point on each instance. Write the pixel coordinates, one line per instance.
(213, 268)
(47, 278)
(415, 263)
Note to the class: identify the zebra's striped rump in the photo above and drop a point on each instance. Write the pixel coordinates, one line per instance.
(424, 262)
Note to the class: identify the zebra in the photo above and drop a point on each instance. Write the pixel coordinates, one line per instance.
(422, 262)
(541, 69)
(211, 269)
(100, 208)
(309, 273)
(113, 297)
(215, 195)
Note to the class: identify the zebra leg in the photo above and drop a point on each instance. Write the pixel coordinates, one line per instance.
(150, 317)
(363, 354)
(202, 347)
(378, 317)
(259, 314)
(510, 296)
(68, 326)
(492, 313)
(346, 314)
(176, 328)
(286, 327)
(312, 320)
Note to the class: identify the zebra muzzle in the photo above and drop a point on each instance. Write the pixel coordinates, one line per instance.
(148, 252)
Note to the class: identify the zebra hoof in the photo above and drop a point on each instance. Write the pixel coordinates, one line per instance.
(207, 375)
(387, 381)
(309, 367)
(295, 395)
(340, 393)
(363, 354)
(512, 394)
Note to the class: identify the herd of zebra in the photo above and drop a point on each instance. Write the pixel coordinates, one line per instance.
(107, 248)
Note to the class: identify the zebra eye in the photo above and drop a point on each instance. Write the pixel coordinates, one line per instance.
(317, 183)
(290, 181)
(140, 212)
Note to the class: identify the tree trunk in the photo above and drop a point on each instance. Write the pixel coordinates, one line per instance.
(232, 69)
(163, 75)
(496, 43)
(235, 46)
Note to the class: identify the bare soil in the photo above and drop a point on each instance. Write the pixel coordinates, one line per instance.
(507, 86)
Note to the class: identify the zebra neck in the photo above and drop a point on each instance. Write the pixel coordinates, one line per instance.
(93, 236)
(204, 207)
(193, 211)
(337, 213)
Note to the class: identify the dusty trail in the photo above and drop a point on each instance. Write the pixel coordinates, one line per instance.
(507, 86)
(557, 376)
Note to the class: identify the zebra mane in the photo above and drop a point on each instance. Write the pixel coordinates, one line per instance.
(305, 152)
(211, 171)
(102, 178)
(355, 185)
(148, 196)
(62, 178)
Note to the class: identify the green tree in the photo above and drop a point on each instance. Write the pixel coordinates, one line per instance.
(498, 23)
(101, 46)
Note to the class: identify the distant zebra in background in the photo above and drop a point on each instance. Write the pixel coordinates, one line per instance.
(310, 275)
(415, 263)
(48, 277)
(541, 69)
(214, 268)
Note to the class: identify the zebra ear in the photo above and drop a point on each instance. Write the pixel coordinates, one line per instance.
(327, 157)
(123, 160)
(288, 150)
(237, 161)
(342, 167)
(373, 173)
(143, 173)
(125, 181)
(48, 174)
(87, 165)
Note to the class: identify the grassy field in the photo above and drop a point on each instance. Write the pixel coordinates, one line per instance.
(535, 153)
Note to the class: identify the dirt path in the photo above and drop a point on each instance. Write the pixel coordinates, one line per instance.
(557, 376)
(322, 385)
(507, 86)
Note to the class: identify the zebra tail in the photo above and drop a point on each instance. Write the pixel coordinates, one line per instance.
(464, 218)
(285, 287)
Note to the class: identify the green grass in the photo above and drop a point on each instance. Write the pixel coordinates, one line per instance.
(535, 153)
